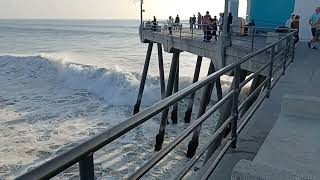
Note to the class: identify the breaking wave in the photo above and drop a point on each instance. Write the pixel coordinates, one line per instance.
(115, 86)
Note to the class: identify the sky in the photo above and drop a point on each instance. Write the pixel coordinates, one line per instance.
(108, 9)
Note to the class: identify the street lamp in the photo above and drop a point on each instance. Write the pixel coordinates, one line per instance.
(141, 11)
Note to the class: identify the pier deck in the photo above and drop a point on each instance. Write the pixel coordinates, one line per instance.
(302, 79)
(191, 41)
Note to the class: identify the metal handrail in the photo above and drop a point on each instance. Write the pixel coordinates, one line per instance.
(84, 152)
(154, 160)
(183, 30)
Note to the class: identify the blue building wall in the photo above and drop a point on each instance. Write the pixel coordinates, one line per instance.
(271, 13)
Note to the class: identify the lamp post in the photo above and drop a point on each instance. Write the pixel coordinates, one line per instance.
(225, 20)
(141, 11)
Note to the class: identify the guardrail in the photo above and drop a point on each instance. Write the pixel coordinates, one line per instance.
(83, 154)
(248, 35)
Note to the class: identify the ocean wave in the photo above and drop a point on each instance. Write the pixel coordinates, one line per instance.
(115, 86)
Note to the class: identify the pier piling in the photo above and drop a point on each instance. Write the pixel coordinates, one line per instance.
(164, 117)
(174, 114)
(188, 113)
(254, 85)
(143, 79)
(161, 72)
(205, 99)
(225, 113)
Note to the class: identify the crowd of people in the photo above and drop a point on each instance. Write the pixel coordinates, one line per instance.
(212, 27)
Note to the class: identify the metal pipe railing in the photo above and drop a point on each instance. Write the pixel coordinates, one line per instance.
(193, 160)
(182, 30)
(162, 153)
(83, 154)
(216, 161)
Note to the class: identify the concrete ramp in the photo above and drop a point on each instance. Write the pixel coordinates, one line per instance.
(292, 147)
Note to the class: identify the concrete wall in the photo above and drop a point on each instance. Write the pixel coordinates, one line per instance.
(270, 13)
(305, 8)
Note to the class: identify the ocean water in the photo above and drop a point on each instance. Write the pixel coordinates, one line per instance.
(64, 81)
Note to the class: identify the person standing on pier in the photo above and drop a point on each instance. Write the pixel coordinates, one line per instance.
(289, 21)
(295, 24)
(230, 19)
(177, 22)
(194, 20)
(214, 27)
(199, 20)
(314, 22)
(170, 24)
(190, 22)
(205, 25)
(154, 24)
(221, 22)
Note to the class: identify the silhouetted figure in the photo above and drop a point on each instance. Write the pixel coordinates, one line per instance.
(214, 24)
(230, 18)
(199, 20)
(177, 22)
(170, 24)
(154, 24)
(221, 19)
(194, 20)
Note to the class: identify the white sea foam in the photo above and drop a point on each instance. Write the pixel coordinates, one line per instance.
(49, 105)
(115, 86)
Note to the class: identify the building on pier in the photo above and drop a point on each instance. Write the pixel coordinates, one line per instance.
(274, 13)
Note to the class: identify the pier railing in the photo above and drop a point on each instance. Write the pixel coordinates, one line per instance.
(83, 154)
(251, 37)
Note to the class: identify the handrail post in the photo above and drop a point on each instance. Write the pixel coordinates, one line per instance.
(235, 104)
(86, 168)
(270, 71)
(252, 43)
(293, 48)
(285, 57)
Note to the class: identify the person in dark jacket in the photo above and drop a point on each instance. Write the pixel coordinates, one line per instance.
(214, 23)
(199, 20)
(177, 22)
(194, 20)
(154, 24)
(295, 24)
(230, 18)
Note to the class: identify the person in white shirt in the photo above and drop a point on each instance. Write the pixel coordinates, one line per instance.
(170, 24)
(289, 21)
(314, 22)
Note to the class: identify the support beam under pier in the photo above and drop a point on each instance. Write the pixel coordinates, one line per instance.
(143, 79)
(205, 99)
(225, 113)
(164, 117)
(161, 72)
(188, 113)
(174, 114)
